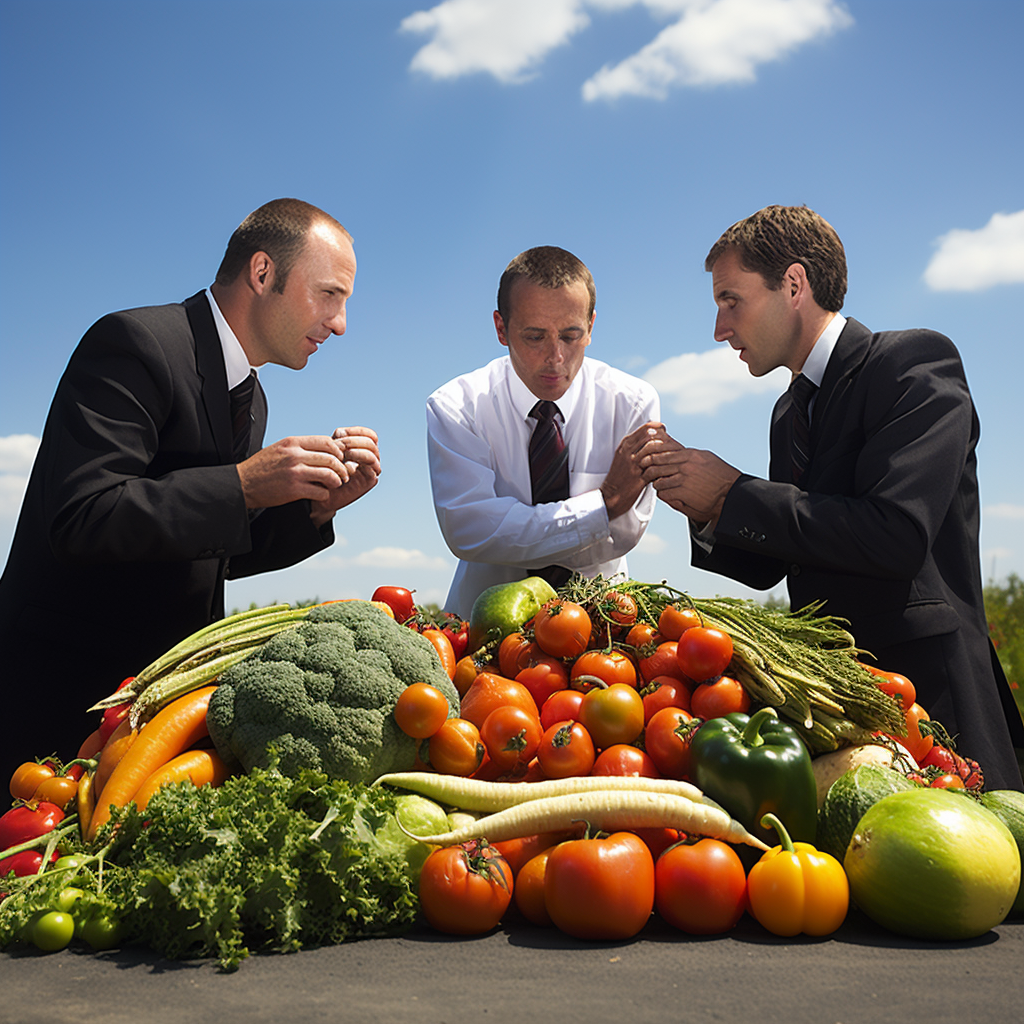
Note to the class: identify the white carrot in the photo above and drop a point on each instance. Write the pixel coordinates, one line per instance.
(478, 795)
(603, 809)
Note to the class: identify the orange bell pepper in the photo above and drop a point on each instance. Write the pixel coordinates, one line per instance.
(796, 888)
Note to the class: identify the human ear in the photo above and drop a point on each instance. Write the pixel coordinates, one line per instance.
(261, 272)
(499, 326)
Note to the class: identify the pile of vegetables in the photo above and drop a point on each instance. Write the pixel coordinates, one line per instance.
(296, 776)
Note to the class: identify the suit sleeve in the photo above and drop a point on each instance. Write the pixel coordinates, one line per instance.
(905, 427)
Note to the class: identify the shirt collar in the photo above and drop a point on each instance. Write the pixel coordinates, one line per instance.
(523, 399)
(817, 359)
(236, 362)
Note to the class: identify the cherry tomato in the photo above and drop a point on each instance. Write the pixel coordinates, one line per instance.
(661, 661)
(53, 930)
(664, 692)
(704, 653)
(722, 697)
(514, 654)
(511, 736)
(59, 790)
(667, 740)
(600, 888)
(566, 749)
(608, 666)
(27, 778)
(455, 749)
(464, 890)
(544, 676)
(895, 685)
(625, 759)
(102, 931)
(947, 781)
(398, 599)
(562, 628)
(560, 707)
(612, 714)
(674, 621)
(702, 888)
(529, 890)
(421, 710)
(642, 634)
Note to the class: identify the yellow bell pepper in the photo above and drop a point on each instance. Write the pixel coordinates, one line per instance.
(796, 888)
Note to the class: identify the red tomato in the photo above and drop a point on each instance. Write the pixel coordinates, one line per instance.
(674, 621)
(398, 599)
(562, 628)
(895, 685)
(702, 888)
(514, 654)
(489, 691)
(661, 661)
(457, 631)
(455, 749)
(421, 710)
(600, 888)
(467, 668)
(24, 822)
(618, 608)
(947, 781)
(25, 863)
(511, 736)
(915, 741)
(544, 676)
(642, 634)
(608, 666)
(518, 851)
(560, 707)
(664, 692)
(704, 653)
(612, 714)
(667, 740)
(625, 759)
(658, 840)
(58, 789)
(529, 890)
(566, 749)
(464, 890)
(722, 697)
(27, 778)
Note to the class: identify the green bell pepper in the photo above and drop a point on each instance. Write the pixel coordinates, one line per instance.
(754, 765)
(503, 608)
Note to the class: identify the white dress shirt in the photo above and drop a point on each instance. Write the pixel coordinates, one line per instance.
(478, 436)
(236, 362)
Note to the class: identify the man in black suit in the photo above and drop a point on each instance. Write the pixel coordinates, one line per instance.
(150, 488)
(872, 508)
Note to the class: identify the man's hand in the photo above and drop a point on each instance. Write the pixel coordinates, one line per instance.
(291, 469)
(624, 482)
(690, 480)
(362, 463)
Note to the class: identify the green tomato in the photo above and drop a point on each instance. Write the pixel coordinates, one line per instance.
(53, 930)
(68, 898)
(102, 931)
(69, 862)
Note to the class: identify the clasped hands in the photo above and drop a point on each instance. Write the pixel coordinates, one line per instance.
(690, 480)
(330, 472)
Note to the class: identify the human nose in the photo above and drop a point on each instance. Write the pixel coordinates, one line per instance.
(336, 324)
(723, 331)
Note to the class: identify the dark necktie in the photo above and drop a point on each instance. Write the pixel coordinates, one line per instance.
(549, 472)
(241, 416)
(801, 391)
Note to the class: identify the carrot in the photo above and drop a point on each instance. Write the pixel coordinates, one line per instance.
(444, 649)
(172, 730)
(480, 795)
(200, 767)
(609, 810)
(113, 750)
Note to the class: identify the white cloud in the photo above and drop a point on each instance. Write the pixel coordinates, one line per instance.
(711, 42)
(505, 38)
(702, 382)
(17, 452)
(969, 261)
(651, 544)
(1003, 510)
(400, 558)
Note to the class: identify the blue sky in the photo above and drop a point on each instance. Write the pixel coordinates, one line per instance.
(448, 138)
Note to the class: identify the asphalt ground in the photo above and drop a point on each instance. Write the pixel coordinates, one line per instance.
(519, 973)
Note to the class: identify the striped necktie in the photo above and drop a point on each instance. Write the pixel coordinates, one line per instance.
(549, 472)
(801, 392)
(241, 417)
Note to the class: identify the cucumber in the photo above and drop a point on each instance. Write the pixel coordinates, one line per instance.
(1008, 806)
(847, 800)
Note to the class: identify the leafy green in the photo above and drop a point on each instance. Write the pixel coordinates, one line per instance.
(262, 863)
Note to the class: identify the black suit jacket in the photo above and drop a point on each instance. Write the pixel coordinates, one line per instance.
(884, 529)
(133, 517)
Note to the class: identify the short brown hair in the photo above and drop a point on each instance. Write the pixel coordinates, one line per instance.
(278, 228)
(773, 239)
(548, 266)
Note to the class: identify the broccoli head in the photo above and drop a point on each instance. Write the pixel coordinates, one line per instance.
(322, 695)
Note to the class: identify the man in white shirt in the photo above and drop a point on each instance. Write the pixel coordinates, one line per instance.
(872, 506)
(479, 429)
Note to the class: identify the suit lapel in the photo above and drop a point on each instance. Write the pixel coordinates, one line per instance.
(210, 367)
(848, 355)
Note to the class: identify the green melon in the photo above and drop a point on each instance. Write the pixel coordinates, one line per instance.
(934, 864)
(847, 800)
(1008, 806)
